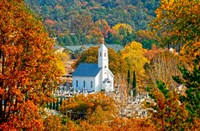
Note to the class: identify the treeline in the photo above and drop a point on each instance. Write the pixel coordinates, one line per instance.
(76, 22)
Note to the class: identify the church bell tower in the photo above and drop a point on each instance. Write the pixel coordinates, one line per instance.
(103, 57)
(103, 64)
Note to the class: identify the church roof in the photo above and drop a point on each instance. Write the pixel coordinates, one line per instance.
(87, 69)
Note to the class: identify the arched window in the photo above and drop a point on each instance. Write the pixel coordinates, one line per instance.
(91, 84)
(76, 83)
(84, 84)
(105, 54)
(100, 54)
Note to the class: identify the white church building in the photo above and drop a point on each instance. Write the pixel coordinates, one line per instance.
(92, 77)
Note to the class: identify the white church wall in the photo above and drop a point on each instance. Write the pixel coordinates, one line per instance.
(88, 83)
(109, 85)
(112, 79)
(111, 88)
(97, 82)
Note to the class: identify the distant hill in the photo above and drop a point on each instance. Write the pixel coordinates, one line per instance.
(76, 22)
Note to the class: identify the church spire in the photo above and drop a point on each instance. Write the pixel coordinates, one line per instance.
(103, 57)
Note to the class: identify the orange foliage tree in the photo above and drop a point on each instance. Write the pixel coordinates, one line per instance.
(162, 67)
(149, 54)
(169, 113)
(179, 23)
(130, 124)
(104, 27)
(88, 107)
(189, 53)
(95, 35)
(53, 123)
(116, 124)
(179, 20)
(98, 112)
(28, 70)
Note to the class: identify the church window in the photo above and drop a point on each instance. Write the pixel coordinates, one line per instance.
(105, 66)
(100, 54)
(91, 84)
(83, 83)
(76, 83)
(105, 54)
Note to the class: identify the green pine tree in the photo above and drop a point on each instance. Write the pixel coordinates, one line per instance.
(54, 106)
(61, 99)
(50, 105)
(57, 104)
(134, 83)
(191, 80)
(128, 78)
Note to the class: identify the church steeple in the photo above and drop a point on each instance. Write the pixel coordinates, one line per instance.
(103, 57)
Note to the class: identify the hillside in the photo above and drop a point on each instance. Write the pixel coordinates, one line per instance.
(76, 22)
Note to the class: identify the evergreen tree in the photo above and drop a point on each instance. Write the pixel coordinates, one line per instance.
(57, 104)
(54, 106)
(61, 100)
(50, 105)
(108, 39)
(134, 83)
(68, 40)
(191, 80)
(128, 83)
(128, 78)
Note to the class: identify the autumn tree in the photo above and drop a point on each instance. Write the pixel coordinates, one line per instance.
(179, 23)
(149, 54)
(95, 35)
(88, 107)
(90, 56)
(189, 53)
(162, 67)
(29, 71)
(147, 38)
(169, 113)
(100, 113)
(54, 123)
(122, 26)
(81, 24)
(178, 20)
(60, 63)
(63, 57)
(104, 27)
(123, 33)
(133, 53)
(130, 124)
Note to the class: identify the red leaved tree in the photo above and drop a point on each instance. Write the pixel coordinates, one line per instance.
(28, 70)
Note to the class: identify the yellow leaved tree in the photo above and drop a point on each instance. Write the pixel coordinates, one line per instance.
(133, 53)
(122, 26)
